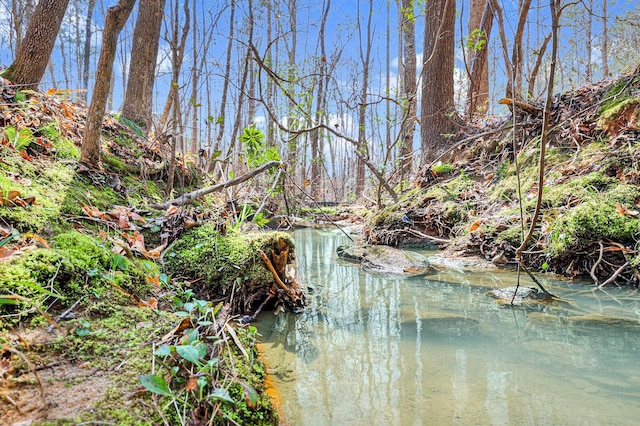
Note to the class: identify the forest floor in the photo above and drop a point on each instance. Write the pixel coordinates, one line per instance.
(107, 310)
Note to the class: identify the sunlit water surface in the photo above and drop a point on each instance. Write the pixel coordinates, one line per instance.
(382, 350)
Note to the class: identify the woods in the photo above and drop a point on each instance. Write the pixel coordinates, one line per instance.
(204, 107)
(151, 152)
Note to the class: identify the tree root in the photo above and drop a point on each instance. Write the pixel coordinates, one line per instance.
(293, 293)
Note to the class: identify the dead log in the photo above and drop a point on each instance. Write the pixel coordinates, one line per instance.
(191, 196)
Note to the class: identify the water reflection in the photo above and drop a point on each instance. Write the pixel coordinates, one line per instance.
(371, 349)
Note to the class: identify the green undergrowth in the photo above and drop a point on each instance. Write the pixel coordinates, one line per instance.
(76, 265)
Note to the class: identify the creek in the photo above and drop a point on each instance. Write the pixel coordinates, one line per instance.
(373, 349)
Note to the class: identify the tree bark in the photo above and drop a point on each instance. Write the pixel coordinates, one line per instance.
(87, 49)
(363, 145)
(480, 25)
(409, 86)
(514, 82)
(138, 106)
(437, 114)
(116, 19)
(32, 57)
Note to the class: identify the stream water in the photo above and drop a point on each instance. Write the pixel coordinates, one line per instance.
(379, 350)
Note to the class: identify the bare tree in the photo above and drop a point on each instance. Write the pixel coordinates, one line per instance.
(514, 82)
(605, 40)
(365, 60)
(87, 48)
(320, 114)
(116, 19)
(178, 42)
(146, 36)
(409, 85)
(480, 25)
(32, 56)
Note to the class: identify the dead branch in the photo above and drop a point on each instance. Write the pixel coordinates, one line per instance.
(189, 197)
(614, 276)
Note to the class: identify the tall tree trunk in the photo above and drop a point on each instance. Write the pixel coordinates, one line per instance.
(32, 57)
(195, 105)
(514, 82)
(536, 67)
(480, 25)
(138, 99)
(320, 114)
(409, 86)
(438, 109)
(365, 59)
(588, 76)
(605, 40)
(87, 49)
(173, 99)
(222, 119)
(116, 19)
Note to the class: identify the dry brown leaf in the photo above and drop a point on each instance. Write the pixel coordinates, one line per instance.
(152, 303)
(192, 384)
(172, 210)
(475, 225)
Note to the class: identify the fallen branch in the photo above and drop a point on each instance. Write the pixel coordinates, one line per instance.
(189, 197)
(614, 276)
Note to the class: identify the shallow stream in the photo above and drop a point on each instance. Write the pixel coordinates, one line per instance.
(381, 350)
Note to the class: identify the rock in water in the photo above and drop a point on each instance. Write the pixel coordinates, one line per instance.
(524, 294)
(385, 259)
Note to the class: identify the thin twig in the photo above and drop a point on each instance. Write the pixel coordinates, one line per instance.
(592, 272)
(614, 276)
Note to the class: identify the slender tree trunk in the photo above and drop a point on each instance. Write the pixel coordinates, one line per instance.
(536, 68)
(194, 83)
(116, 19)
(173, 100)
(320, 114)
(138, 100)
(514, 83)
(365, 59)
(588, 76)
(222, 119)
(605, 40)
(87, 49)
(480, 25)
(409, 86)
(438, 111)
(32, 57)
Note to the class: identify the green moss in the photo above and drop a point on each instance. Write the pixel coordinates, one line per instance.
(220, 261)
(613, 110)
(451, 189)
(590, 222)
(454, 212)
(619, 92)
(117, 165)
(443, 169)
(511, 235)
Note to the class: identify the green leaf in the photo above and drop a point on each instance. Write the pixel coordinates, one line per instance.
(190, 353)
(164, 350)
(251, 397)
(156, 384)
(4, 301)
(545, 266)
(82, 332)
(221, 394)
